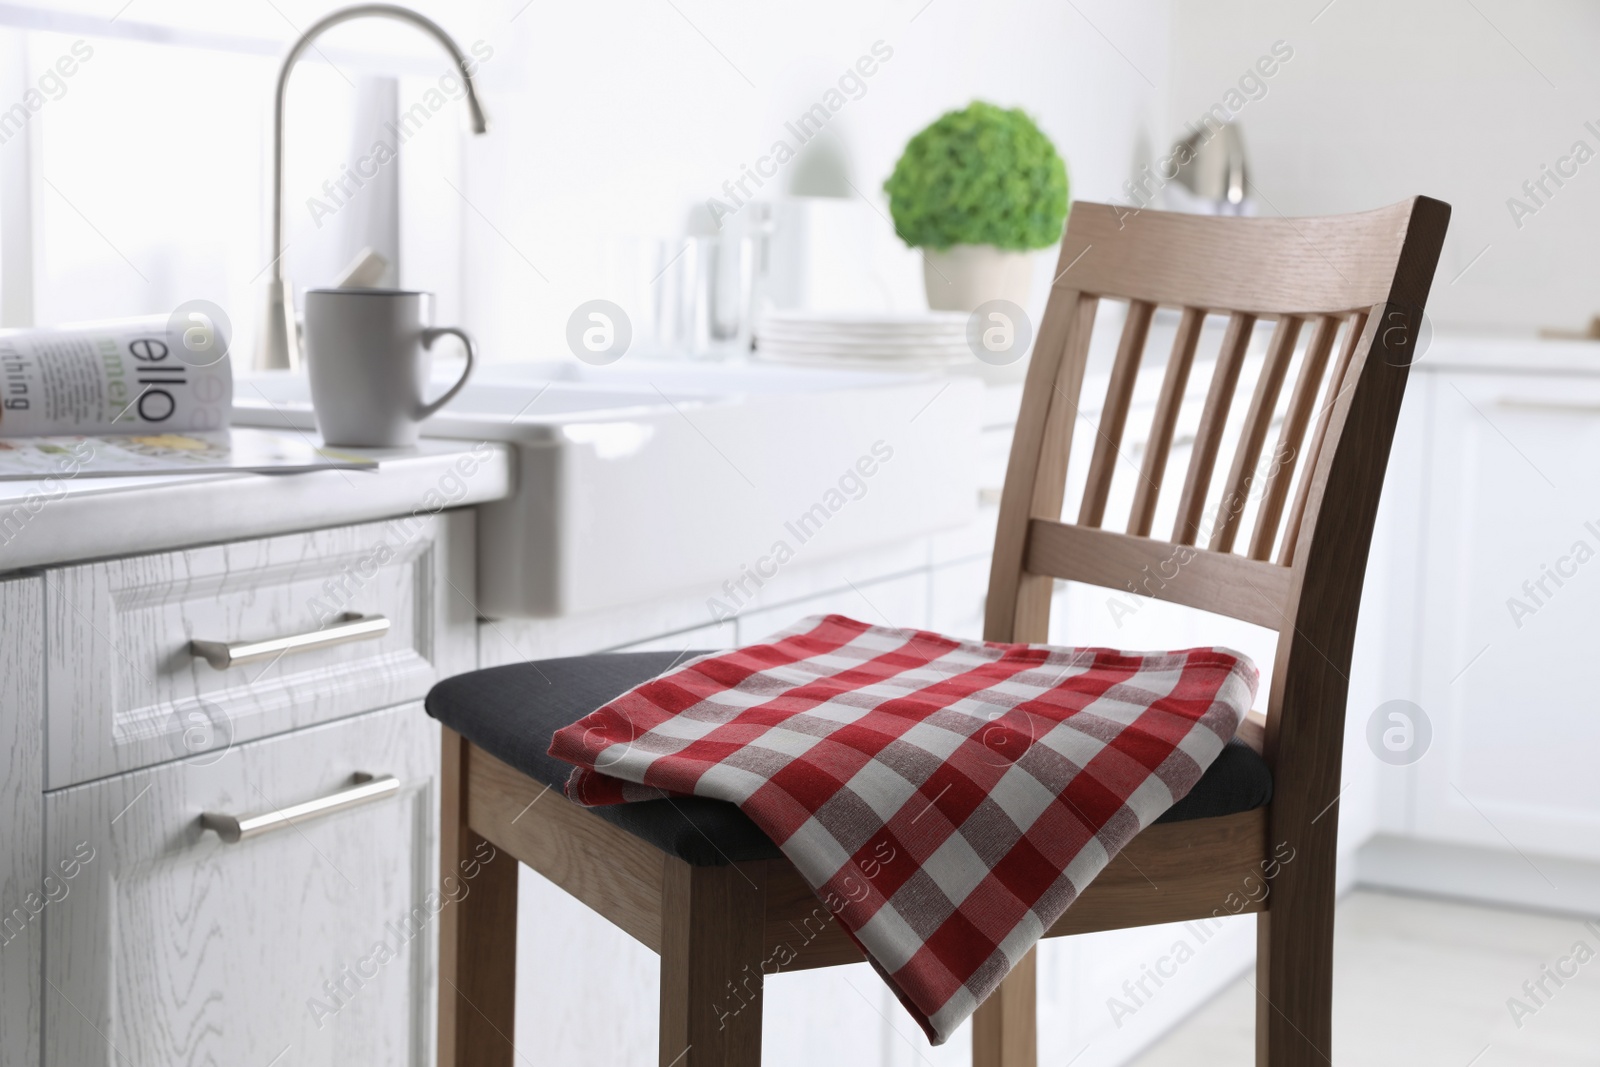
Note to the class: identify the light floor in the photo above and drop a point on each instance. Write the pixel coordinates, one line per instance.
(1420, 982)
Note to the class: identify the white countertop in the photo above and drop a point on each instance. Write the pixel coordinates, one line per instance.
(1511, 355)
(96, 517)
(100, 517)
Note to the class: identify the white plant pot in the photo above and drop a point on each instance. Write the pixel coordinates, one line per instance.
(962, 277)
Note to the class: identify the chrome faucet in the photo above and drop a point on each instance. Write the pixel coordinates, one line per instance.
(279, 344)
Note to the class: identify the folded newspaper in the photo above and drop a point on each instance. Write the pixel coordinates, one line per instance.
(130, 397)
(129, 376)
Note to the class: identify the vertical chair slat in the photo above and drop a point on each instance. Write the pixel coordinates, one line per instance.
(1258, 419)
(1030, 619)
(1165, 421)
(1114, 415)
(1208, 438)
(1295, 420)
(1018, 601)
(1050, 478)
(1357, 324)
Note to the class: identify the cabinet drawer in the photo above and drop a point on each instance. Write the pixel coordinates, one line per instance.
(164, 944)
(128, 688)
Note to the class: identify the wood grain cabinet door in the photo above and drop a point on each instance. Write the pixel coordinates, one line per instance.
(309, 944)
(22, 891)
(127, 689)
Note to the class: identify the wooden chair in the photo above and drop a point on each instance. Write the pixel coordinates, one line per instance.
(1360, 280)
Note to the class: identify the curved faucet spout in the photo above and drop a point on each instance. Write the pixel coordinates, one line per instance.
(280, 347)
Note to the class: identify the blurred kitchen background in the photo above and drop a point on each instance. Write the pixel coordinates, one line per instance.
(620, 134)
(614, 124)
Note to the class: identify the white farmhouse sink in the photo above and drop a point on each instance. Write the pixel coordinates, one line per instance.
(638, 481)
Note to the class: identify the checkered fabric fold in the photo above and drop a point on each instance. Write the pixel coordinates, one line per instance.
(946, 799)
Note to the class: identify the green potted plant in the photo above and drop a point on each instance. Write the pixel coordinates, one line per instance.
(978, 191)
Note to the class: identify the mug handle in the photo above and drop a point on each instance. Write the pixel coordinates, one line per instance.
(431, 334)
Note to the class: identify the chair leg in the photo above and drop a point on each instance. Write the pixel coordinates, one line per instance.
(712, 951)
(477, 931)
(1294, 971)
(1005, 1028)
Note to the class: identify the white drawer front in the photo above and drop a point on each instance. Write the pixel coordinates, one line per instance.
(165, 945)
(126, 689)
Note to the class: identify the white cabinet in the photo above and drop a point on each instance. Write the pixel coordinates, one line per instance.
(131, 934)
(957, 593)
(23, 891)
(900, 601)
(314, 942)
(718, 635)
(1510, 610)
(126, 690)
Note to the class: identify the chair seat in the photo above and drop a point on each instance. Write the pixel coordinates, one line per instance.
(512, 711)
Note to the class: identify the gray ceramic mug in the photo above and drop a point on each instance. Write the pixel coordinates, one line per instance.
(367, 351)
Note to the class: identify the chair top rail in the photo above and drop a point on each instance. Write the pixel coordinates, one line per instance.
(1260, 266)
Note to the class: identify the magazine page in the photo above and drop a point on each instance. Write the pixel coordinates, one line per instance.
(129, 376)
(238, 449)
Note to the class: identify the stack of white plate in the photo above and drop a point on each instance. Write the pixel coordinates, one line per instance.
(923, 338)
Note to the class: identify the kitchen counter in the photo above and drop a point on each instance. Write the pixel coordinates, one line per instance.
(87, 518)
(1543, 356)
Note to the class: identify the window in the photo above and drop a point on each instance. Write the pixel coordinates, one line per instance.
(135, 158)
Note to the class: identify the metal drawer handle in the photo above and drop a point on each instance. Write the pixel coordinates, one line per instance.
(351, 626)
(236, 828)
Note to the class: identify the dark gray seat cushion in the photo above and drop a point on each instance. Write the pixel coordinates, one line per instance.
(511, 713)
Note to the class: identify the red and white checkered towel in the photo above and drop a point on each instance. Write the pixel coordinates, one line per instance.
(946, 799)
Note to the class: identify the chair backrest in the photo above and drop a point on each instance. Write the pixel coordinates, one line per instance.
(1352, 287)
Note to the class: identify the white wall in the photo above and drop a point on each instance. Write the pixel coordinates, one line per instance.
(1460, 101)
(615, 120)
